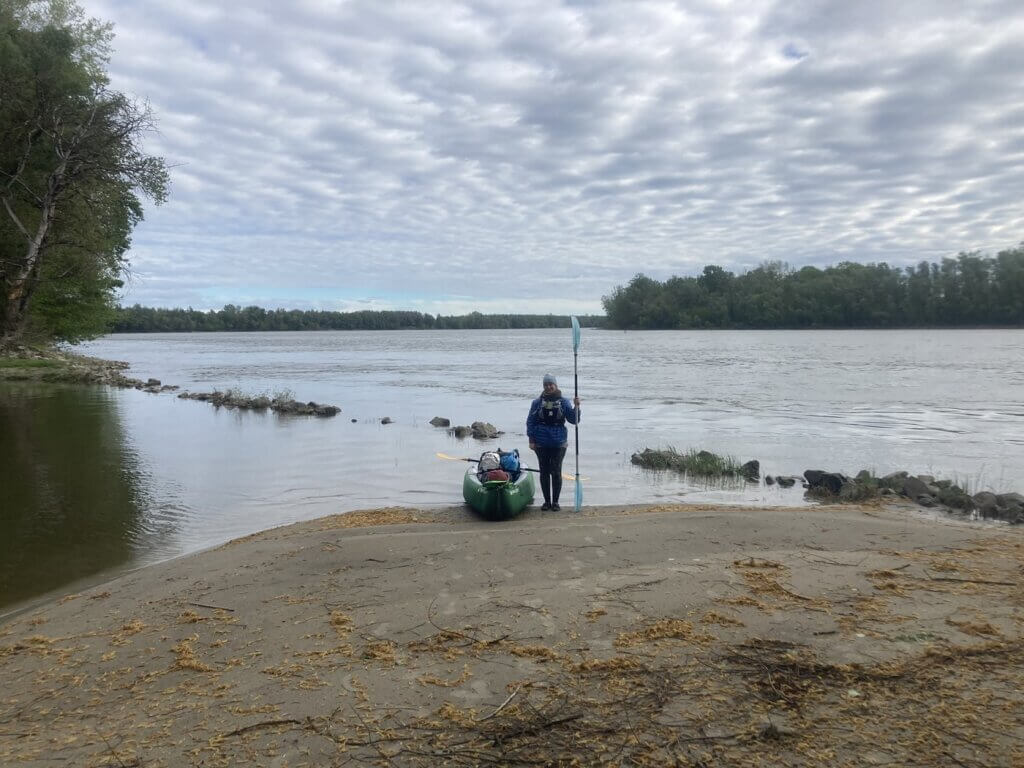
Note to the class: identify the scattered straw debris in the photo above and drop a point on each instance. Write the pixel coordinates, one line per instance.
(187, 658)
(384, 516)
(342, 624)
(976, 628)
(616, 664)
(713, 617)
(127, 630)
(442, 683)
(380, 650)
(664, 629)
(753, 562)
(538, 652)
(743, 600)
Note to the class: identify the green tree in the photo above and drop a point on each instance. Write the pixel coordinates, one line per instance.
(1008, 279)
(71, 170)
(970, 289)
(635, 306)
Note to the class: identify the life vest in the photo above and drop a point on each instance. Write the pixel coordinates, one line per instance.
(550, 412)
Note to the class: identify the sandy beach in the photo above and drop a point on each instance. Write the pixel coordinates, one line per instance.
(658, 635)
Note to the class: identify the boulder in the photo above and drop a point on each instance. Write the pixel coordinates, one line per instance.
(913, 487)
(482, 430)
(985, 502)
(813, 476)
(438, 421)
(954, 497)
(832, 482)
(386, 420)
(960, 501)
(785, 482)
(461, 432)
(751, 470)
(894, 480)
(1009, 499)
(769, 480)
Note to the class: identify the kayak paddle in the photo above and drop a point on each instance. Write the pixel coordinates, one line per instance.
(576, 393)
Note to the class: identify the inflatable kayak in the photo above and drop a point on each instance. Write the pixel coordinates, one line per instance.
(498, 499)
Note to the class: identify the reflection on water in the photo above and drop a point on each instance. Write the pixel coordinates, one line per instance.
(71, 503)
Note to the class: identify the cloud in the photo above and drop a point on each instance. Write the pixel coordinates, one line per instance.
(531, 156)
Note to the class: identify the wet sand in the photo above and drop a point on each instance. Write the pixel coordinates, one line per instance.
(655, 635)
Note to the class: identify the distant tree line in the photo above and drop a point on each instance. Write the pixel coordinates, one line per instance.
(970, 290)
(139, 319)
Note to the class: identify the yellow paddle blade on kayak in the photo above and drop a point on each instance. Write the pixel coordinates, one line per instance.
(451, 458)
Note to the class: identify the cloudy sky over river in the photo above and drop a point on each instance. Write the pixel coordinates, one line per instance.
(424, 155)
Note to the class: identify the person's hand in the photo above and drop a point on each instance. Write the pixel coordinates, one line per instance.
(576, 401)
(533, 446)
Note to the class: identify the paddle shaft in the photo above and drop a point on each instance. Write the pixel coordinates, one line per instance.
(576, 397)
(576, 394)
(475, 461)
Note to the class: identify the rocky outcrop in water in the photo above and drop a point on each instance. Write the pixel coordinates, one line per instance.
(699, 463)
(921, 489)
(481, 430)
(439, 421)
(231, 399)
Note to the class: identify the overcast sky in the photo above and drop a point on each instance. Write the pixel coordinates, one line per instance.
(531, 155)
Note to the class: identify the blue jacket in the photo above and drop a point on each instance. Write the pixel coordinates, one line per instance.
(550, 435)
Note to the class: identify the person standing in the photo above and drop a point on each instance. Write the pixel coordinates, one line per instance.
(545, 428)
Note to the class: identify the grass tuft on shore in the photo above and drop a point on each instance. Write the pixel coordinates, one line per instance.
(29, 362)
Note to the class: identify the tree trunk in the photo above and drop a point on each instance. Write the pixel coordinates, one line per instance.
(23, 283)
(25, 277)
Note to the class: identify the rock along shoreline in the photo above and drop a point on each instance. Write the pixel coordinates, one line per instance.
(56, 366)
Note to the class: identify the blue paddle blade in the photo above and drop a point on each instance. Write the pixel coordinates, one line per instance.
(579, 494)
(575, 333)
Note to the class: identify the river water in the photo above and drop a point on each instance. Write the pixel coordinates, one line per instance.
(95, 479)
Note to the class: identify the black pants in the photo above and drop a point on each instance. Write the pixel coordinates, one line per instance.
(550, 460)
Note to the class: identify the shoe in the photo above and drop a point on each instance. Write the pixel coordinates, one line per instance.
(545, 507)
(555, 507)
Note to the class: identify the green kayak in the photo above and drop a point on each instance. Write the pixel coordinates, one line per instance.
(498, 499)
